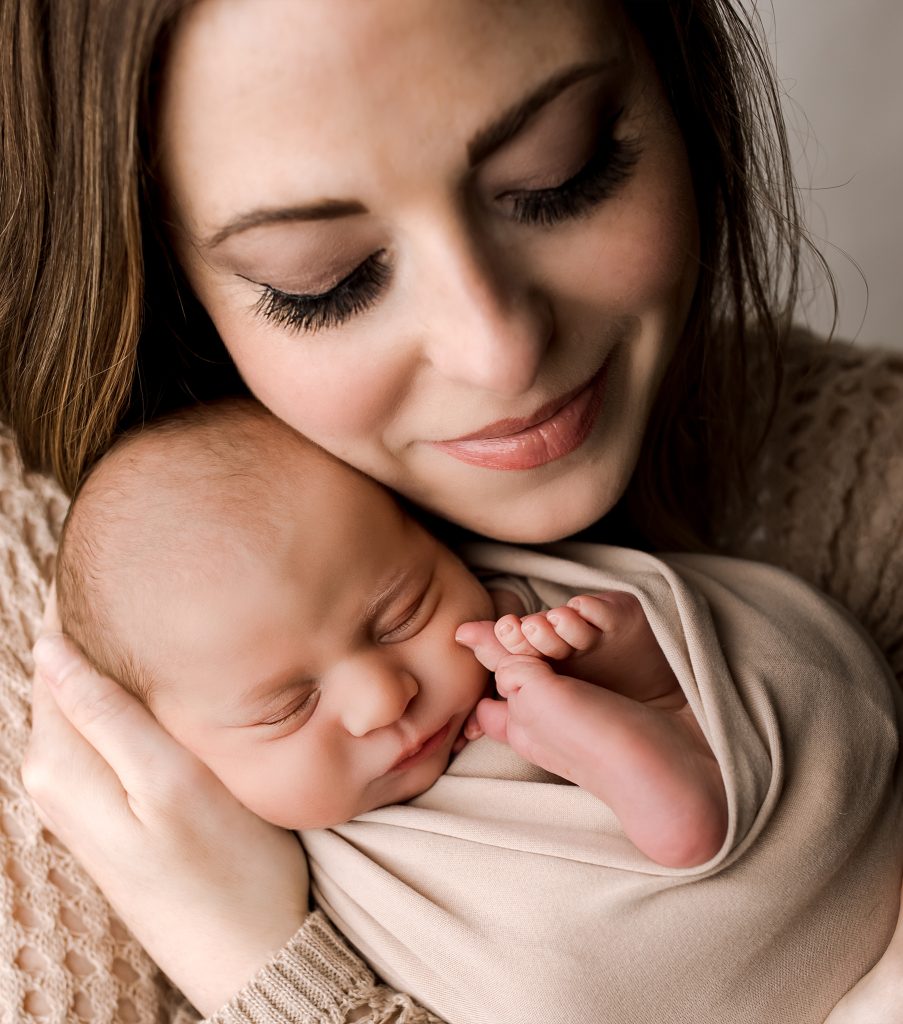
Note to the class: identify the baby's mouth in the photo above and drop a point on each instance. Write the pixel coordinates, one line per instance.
(415, 754)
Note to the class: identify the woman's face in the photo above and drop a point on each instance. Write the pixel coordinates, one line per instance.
(453, 243)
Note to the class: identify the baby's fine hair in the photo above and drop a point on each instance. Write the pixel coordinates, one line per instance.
(168, 498)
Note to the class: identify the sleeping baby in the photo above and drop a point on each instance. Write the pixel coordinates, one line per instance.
(688, 791)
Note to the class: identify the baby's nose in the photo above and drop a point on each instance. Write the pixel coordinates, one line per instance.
(379, 696)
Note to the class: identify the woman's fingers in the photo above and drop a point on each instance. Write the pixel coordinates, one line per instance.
(206, 886)
(56, 755)
(50, 623)
(119, 728)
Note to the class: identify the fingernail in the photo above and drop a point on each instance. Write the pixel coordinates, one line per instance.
(54, 657)
(459, 638)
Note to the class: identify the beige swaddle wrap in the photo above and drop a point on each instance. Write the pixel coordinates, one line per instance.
(504, 895)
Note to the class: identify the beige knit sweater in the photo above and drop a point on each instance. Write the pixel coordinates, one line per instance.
(829, 508)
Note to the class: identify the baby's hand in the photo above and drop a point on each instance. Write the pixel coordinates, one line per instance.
(602, 638)
(559, 633)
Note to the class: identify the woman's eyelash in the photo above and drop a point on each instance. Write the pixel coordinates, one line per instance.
(352, 295)
(610, 165)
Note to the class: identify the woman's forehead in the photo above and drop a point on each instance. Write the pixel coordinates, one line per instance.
(305, 97)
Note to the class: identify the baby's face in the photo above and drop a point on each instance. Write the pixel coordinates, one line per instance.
(318, 675)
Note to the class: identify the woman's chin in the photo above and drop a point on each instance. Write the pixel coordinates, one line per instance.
(544, 511)
(536, 521)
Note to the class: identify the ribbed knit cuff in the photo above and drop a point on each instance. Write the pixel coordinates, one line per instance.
(314, 978)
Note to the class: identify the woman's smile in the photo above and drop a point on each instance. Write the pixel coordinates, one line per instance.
(556, 430)
(434, 302)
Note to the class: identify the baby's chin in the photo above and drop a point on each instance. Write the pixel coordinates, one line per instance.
(412, 785)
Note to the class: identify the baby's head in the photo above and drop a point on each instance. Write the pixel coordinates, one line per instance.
(277, 611)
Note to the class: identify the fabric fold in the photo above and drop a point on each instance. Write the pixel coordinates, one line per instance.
(504, 895)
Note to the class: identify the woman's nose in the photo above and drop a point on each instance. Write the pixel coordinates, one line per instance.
(484, 326)
(374, 694)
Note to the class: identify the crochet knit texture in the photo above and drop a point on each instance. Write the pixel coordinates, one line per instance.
(828, 507)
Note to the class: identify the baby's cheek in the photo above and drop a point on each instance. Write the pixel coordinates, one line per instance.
(270, 779)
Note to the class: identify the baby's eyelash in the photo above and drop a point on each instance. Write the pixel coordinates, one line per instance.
(310, 313)
(295, 711)
(410, 617)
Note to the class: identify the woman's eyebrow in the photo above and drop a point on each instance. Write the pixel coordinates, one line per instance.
(495, 135)
(484, 143)
(327, 209)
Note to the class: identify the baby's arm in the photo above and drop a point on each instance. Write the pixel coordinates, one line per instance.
(590, 696)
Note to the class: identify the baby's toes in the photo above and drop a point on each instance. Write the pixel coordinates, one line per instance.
(510, 635)
(579, 635)
(543, 636)
(611, 611)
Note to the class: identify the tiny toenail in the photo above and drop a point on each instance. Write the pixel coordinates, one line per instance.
(504, 629)
(554, 618)
(529, 627)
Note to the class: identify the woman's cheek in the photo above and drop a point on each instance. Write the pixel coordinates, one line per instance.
(324, 385)
(652, 258)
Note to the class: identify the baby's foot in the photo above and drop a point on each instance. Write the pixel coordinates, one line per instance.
(589, 696)
(651, 764)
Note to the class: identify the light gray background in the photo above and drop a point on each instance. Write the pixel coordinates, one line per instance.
(840, 63)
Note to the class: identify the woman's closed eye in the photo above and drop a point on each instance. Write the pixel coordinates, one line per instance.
(610, 164)
(355, 293)
(608, 167)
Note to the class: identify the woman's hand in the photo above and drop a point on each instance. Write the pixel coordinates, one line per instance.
(207, 887)
(878, 997)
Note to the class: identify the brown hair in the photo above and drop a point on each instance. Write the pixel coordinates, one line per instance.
(156, 509)
(93, 316)
(722, 387)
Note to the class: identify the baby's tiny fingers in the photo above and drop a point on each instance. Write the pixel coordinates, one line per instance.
(472, 729)
(481, 639)
(493, 718)
(509, 634)
(574, 630)
(608, 611)
(541, 632)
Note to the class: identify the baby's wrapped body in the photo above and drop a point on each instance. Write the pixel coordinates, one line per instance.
(504, 895)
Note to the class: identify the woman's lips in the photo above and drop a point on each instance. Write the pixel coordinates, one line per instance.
(556, 430)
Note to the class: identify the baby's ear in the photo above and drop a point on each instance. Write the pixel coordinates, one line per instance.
(481, 639)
